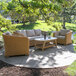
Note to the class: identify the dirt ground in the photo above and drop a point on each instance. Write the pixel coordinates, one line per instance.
(10, 70)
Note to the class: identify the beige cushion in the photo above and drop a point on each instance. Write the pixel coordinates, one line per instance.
(61, 37)
(22, 32)
(57, 33)
(30, 33)
(31, 38)
(37, 32)
(17, 34)
(8, 33)
(63, 32)
(34, 37)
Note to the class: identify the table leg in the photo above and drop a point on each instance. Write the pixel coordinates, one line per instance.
(56, 42)
(43, 45)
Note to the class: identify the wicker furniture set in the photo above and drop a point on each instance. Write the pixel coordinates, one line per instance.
(19, 42)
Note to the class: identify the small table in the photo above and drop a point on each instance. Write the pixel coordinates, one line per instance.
(45, 43)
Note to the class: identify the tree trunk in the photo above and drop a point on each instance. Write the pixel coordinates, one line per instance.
(64, 19)
(64, 22)
(23, 21)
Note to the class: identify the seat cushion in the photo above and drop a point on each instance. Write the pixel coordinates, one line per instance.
(61, 37)
(18, 34)
(30, 33)
(37, 32)
(32, 38)
(22, 32)
(8, 33)
(63, 32)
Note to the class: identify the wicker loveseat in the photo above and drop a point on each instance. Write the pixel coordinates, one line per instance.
(63, 36)
(31, 35)
(16, 45)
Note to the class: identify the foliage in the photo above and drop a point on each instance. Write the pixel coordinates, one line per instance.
(27, 14)
(5, 24)
(57, 26)
(32, 10)
(71, 26)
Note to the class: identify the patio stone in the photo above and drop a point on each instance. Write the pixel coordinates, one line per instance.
(49, 58)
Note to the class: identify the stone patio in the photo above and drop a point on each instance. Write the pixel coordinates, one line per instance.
(49, 58)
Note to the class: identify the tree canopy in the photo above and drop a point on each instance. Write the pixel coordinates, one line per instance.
(32, 10)
(4, 23)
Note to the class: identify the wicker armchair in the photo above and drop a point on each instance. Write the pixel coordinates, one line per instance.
(15, 45)
(63, 36)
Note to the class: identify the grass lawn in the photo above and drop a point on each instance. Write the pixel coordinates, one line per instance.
(43, 26)
(37, 25)
(40, 24)
(71, 70)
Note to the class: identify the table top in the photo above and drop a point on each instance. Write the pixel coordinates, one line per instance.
(47, 39)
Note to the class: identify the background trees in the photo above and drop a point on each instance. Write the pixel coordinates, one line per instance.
(32, 10)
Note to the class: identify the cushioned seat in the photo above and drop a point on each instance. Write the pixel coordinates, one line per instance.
(16, 45)
(63, 36)
(32, 38)
(22, 32)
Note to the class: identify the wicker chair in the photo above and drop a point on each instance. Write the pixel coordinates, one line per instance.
(15, 45)
(63, 36)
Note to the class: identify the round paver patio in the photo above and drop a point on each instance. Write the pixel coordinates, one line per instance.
(49, 58)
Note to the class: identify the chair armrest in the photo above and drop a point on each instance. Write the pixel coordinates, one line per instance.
(68, 35)
(56, 33)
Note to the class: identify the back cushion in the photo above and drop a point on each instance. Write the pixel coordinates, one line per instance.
(22, 32)
(17, 34)
(8, 33)
(37, 32)
(63, 32)
(30, 33)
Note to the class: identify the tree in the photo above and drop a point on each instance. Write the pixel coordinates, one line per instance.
(49, 8)
(65, 11)
(27, 14)
(31, 10)
(4, 23)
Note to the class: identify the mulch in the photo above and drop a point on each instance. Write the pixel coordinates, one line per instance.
(11, 70)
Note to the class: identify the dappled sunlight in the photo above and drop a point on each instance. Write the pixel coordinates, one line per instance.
(49, 58)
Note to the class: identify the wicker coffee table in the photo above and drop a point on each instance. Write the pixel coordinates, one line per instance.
(45, 43)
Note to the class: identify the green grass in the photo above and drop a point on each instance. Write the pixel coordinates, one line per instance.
(37, 25)
(74, 47)
(40, 24)
(43, 26)
(71, 70)
(74, 40)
